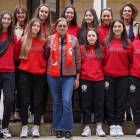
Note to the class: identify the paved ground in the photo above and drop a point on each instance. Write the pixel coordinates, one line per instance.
(128, 137)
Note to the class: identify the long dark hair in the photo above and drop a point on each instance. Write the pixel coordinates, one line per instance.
(74, 20)
(95, 24)
(98, 50)
(139, 31)
(23, 9)
(10, 27)
(48, 23)
(110, 37)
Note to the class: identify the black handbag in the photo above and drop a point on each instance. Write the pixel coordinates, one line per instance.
(3, 47)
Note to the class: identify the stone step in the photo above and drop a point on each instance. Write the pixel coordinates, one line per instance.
(129, 128)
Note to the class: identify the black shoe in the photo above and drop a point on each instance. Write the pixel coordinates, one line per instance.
(68, 134)
(128, 118)
(59, 134)
(17, 120)
(12, 121)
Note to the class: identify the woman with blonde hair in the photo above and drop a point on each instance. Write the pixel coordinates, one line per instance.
(32, 75)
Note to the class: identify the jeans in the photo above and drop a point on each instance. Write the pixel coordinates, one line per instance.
(61, 89)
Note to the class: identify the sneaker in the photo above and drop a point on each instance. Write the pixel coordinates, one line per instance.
(35, 131)
(100, 133)
(113, 131)
(138, 132)
(119, 130)
(6, 133)
(42, 119)
(24, 132)
(86, 132)
(31, 119)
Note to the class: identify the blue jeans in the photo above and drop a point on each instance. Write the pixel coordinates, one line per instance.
(61, 89)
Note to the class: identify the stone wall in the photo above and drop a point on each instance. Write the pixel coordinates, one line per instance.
(82, 5)
(10, 4)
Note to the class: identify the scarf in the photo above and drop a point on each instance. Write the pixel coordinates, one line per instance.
(131, 35)
(54, 65)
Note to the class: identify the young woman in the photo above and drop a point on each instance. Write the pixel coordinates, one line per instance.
(118, 56)
(21, 19)
(69, 13)
(32, 75)
(92, 88)
(7, 76)
(134, 84)
(44, 14)
(90, 20)
(64, 63)
(106, 18)
(128, 14)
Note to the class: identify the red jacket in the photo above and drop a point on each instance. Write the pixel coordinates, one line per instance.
(91, 68)
(105, 30)
(36, 62)
(135, 67)
(117, 59)
(11, 54)
(136, 37)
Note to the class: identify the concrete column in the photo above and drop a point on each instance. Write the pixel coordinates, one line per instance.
(98, 5)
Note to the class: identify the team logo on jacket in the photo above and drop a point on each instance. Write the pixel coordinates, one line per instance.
(132, 88)
(70, 51)
(84, 88)
(106, 84)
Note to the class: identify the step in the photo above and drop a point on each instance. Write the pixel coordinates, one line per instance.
(46, 129)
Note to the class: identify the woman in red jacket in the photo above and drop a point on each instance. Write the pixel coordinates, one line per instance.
(118, 56)
(90, 20)
(92, 88)
(32, 75)
(106, 18)
(134, 84)
(7, 75)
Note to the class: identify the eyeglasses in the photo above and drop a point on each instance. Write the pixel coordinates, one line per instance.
(106, 9)
(60, 26)
(21, 13)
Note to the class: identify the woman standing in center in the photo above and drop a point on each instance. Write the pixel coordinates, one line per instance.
(118, 56)
(64, 63)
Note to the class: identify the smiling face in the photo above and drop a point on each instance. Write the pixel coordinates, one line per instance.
(62, 28)
(127, 13)
(21, 16)
(91, 37)
(106, 17)
(43, 13)
(69, 14)
(35, 28)
(117, 29)
(89, 17)
(6, 21)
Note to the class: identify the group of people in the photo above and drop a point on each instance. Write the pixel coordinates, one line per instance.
(101, 59)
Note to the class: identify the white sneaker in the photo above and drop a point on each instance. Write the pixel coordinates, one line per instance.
(6, 133)
(42, 119)
(119, 130)
(100, 133)
(86, 132)
(113, 131)
(35, 131)
(24, 132)
(31, 119)
(138, 132)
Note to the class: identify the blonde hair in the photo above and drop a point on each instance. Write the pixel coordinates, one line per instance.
(27, 39)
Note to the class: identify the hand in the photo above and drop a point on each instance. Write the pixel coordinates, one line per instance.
(76, 83)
